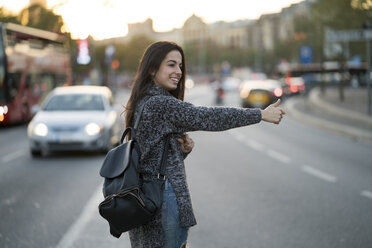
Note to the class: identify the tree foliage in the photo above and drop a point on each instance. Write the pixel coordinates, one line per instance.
(5, 16)
(361, 4)
(37, 16)
(128, 54)
(342, 14)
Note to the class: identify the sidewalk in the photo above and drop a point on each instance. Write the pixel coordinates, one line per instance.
(349, 117)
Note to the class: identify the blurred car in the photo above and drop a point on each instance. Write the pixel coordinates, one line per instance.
(293, 86)
(260, 93)
(75, 118)
(257, 76)
(230, 84)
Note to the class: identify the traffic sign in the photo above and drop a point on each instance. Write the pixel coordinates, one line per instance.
(306, 54)
(348, 35)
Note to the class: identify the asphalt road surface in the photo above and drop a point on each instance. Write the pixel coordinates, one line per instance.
(266, 185)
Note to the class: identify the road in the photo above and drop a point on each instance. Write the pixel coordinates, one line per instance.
(282, 186)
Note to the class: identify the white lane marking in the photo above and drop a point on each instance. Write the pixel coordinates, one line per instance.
(255, 145)
(237, 136)
(318, 173)
(279, 156)
(367, 193)
(261, 148)
(11, 156)
(249, 142)
(78, 226)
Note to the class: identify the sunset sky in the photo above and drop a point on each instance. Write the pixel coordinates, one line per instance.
(109, 18)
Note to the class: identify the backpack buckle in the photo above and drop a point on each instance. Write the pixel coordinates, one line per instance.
(161, 177)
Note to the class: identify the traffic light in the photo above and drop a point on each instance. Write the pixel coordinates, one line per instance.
(83, 57)
(115, 64)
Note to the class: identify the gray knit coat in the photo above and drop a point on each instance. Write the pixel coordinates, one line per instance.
(164, 114)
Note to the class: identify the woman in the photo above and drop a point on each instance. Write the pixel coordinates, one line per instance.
(160, 85)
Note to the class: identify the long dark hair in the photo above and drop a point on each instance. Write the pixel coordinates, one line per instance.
(149, 64)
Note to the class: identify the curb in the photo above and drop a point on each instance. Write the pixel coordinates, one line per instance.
(317, 101)
(346, 130)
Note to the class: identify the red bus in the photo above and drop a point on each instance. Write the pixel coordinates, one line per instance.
(32, 63)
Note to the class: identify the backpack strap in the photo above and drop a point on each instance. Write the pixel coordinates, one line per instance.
(134, 128)
(163, 163)
(139, 115)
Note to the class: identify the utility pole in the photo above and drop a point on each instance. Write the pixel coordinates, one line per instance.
(369, 76)
(366, 26)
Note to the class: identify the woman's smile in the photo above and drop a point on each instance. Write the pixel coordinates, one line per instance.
(175, 79)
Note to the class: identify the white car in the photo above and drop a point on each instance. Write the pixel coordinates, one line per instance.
(75, 118)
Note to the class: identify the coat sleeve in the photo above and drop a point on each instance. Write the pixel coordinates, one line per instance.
(185, 117)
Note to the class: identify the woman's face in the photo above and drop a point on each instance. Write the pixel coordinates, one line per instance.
(169, 73)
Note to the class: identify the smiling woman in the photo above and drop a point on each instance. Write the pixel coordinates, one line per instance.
(156, 105)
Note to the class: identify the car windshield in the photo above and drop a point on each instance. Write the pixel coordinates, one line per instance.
(75, 102)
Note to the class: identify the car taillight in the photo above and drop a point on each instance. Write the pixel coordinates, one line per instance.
(293, 88)
(3, 112)
(278, 92)
(288, 80)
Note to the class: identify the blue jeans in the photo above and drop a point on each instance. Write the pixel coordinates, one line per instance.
(175, 234)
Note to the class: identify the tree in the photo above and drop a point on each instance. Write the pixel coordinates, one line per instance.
(130, 53)
(5, 16)
(341, 14)
(361, 4)
(344, 15)
(37, 16)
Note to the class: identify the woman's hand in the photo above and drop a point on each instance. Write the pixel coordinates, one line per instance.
(273, 113)
(187, 144)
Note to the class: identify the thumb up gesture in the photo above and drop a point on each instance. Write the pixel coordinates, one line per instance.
(273, 113)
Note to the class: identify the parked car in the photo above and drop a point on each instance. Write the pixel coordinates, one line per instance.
(75, 118)
(260, 93)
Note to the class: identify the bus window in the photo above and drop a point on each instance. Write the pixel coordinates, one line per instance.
(13, 84)
(60, 80)
(47, 84)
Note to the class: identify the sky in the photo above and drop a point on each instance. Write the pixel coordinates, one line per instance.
(109, 18)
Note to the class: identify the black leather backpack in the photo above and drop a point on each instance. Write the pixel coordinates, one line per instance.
(129, 200)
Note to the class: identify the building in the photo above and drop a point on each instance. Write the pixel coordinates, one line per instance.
(194, 30)
(258, 36)
(230, 34)
(146, 28)
(43, 3)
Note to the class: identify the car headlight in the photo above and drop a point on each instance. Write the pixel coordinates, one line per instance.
(244, 93)
(92, 129)
(41, 129)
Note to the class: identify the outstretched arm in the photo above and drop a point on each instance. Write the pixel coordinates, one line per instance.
(182, 117)
(273, 113)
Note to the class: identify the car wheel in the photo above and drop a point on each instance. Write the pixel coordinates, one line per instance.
(35, 153)
(245, 105)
